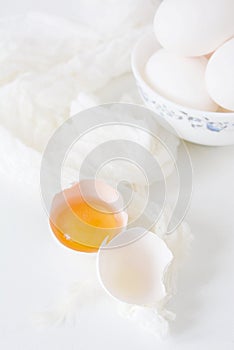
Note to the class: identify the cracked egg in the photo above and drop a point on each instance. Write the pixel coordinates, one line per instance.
(131, 267)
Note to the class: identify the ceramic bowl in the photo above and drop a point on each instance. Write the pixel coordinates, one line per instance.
(202, 127)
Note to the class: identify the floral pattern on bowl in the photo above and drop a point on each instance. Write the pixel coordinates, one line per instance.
(195, 122)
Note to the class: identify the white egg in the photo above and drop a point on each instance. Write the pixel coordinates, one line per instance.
(220, 76)
(132, 266)
(180, 79)
(223, 110)
(194, 27)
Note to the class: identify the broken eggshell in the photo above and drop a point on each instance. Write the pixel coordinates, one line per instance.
(132, 266)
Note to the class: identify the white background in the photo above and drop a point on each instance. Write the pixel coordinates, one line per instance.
(35, 270)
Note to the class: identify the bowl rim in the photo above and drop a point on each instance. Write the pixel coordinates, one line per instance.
(139, 77)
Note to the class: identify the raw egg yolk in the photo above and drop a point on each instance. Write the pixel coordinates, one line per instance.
(83, 226)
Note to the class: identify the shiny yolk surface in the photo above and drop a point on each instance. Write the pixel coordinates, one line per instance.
(83, 226)
(96, 215)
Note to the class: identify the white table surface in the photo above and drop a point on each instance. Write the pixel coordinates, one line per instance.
(35, 271)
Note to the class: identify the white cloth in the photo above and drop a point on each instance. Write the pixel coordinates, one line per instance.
(50, 68)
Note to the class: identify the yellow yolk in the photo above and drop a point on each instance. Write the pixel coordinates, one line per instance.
(83, 226)
(95, 214)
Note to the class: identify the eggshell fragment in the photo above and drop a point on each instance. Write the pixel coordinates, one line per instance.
(180, 79)
(132, 266)
(194, 27)
(220, 76)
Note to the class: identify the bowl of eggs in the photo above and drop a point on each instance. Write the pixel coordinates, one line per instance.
(184, 69)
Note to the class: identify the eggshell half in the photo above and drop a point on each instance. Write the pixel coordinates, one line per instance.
(131, 267)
